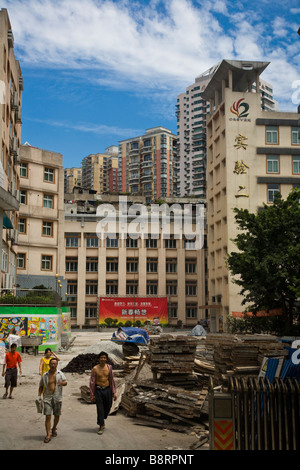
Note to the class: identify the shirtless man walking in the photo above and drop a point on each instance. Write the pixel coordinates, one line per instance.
(51, 384)
(102, 389)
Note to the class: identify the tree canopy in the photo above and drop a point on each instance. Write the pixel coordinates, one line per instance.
(267, 263)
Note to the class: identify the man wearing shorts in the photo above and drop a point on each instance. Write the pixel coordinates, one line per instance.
(12, 359)
(51, 384)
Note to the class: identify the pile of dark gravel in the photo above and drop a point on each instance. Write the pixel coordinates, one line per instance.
(83, 362)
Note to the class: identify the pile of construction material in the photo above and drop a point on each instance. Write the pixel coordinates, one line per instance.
(163, 406)
(242, 354)
(204, 365)
(172, 359)
(173, 398)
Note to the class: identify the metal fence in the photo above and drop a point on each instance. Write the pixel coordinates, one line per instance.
(255, 414)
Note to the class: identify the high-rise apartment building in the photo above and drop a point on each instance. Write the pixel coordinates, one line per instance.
(100, 171)
(148, 164)
(72, 179)
(251, 155)
(191, 112)
(11, 88)
(41, 218)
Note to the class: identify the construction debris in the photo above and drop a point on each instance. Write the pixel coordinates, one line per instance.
(165, 406)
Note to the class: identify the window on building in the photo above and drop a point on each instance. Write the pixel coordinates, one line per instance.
(72, 240)
(131, 242)
(48, 201)
(152, 265)
(24, 170)
(47, 229)
(132, 265)
(191, 266)
(23, 196)
(171, 265)
(170, 243)
(22, 225)
(111, 287)
(72, 288)
(91, 241)
(191, 310)
(73, 312)
(296, 135)
(171, 287)
(90, 310)
(172, 308)
(47, 262)
(152, 288)
(91, 265)
(71, 264)
(272, 164)
(272, 135)
(296, 164)
(191, 288)
(131, 287)
(272, 190)
(151, 243)
(112, 265)
(91, 287)
(49, 175)
(112, 243)
(21, 260)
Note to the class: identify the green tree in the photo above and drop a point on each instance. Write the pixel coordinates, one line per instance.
(267, 263)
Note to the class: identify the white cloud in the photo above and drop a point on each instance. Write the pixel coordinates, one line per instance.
(98, 129)
(162, 45)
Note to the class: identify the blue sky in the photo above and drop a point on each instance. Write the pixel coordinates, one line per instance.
(97, 71)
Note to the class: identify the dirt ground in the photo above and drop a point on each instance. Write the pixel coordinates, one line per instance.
(22, 428)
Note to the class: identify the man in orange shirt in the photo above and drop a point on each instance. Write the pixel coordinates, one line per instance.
(12, 359)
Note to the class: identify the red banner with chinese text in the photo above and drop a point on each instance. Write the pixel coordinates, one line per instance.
(153, 309)
(262, 313)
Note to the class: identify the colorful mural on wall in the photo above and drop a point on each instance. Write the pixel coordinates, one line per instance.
(12, 326)
(48, 322)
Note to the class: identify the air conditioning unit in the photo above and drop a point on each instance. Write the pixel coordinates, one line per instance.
(17, 157)
(10, 234)
(15, 100)
(14, 240)
(18, 115)
(14, 145)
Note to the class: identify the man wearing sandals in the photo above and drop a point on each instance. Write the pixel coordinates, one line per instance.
(102, 389)
(12, 359)
(51, 384)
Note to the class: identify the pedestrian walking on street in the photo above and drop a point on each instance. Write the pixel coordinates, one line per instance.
(10, 370)
(51, 384)
(44, 362)
(102, 389)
